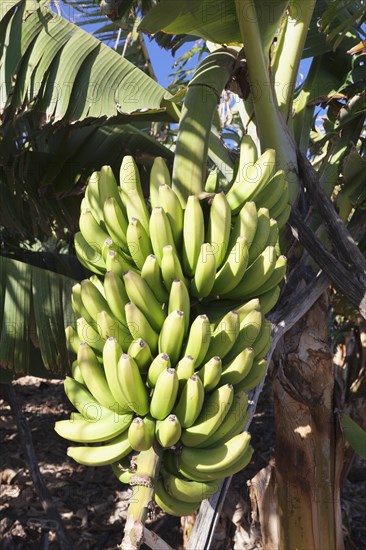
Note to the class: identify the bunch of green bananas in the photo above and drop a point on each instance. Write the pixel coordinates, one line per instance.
(173, 335)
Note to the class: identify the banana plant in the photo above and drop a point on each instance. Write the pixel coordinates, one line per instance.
(243, 48)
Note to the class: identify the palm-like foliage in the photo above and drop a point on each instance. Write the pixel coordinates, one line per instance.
(67, 106)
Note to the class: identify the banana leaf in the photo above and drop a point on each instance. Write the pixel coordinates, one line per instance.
(354, 434)
(35, 308)
(215, 20)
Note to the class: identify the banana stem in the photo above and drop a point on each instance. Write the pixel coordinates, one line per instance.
(271, 127)
(203, 95)
(291, 45)
(143, 483)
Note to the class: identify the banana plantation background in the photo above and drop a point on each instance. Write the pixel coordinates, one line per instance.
(74, 100)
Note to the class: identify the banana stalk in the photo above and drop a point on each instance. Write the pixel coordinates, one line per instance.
(204, 90)
(143, 481)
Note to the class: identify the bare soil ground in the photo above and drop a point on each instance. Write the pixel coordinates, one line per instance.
(93, 503)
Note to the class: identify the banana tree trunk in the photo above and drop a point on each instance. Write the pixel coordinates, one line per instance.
(298, 496)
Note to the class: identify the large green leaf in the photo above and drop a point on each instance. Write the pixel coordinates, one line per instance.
(34, 310)
(354, 434)
(215, 20)
(68, 73)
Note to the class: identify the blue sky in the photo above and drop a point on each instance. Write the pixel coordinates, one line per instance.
(162, 61)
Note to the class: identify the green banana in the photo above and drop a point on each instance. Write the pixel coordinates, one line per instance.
(88, 255)
(260, 238)
(249, 329)
(112, 353)
(172, 335)
(234, 422)
(211, 185)
(141, 433)
(278, 207)
(217, 458)
(171, 268)
(205, 273)
(188, 491)
(131, 192)
(237, 429)
(116, 296)
(151, 273)
(254, 376)
(72, 339)
(199, 339)
(262, 343)
(165, 394)
(109, 326)
(192, 473)
(83, 400)
(122, 471)
(234, 371)
(185, 368)
(76, 373)
(244, 309)
(256, 178)
(210, 373)
(193, 234)
(245, 224)
(219, 224)
(129, 178)
(159, 175)
(169, 462)
(160, 363)
(284, 216)
(172, 208)
(140, 327)
(171, 505)
(94, 377)
(88, 334)
(116, 261)
(103, 429)
(275, 189)
(77, 304)
(98, 284)
(108, 245)
(190, 402)
(115, 222)
(92, 232)
(168, 431)
(233, 269)
(179, 300)
(224, 336)
(273, 233)
(276, 277)
(160, 232)
(136, 208)
(141, 354)
(247, 157)
(107, 186)
(114, 450)
(211, 416)
(93, 300)
(143, 297)
(92, 196)
(269, 299)
(256, 275)
(138, 242)
(132, 385)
